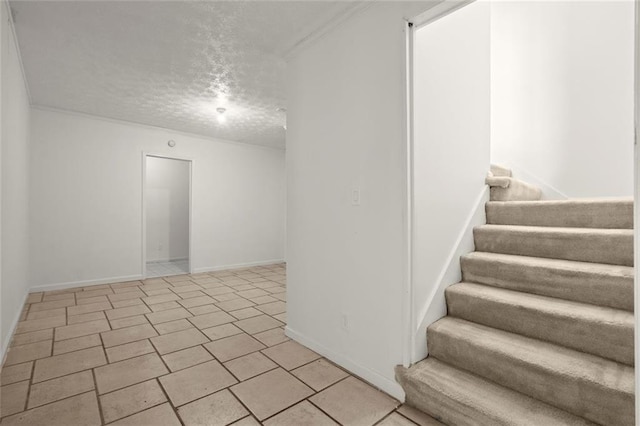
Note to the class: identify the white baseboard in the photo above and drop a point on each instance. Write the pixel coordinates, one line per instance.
(84, 283)
(111, 280)
(179, 259)
(12, 330)
(386, 385)
(236, 266)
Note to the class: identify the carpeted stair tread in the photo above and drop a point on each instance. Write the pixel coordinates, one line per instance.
(595, 213)
(597, 330)
(588, 386)
(611, 246)
(499, 181)
(595, 283)
(541, 329)
(456, 397)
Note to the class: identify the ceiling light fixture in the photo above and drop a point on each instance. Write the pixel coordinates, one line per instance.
(221, 116)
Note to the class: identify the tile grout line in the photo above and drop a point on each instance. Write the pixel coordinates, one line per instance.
(230, 386)
(26, 402)
(237, 398)
(95, 384)
(385, 417)
(166, 394)
(142, 411)
(64, 375)
(319, 408)
(295, 403)
(403, 416)
(342, 380)
(50, 403)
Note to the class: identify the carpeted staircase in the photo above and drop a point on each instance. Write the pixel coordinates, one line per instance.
(540, 330)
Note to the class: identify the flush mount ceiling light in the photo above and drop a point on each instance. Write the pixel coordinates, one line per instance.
(221, 116)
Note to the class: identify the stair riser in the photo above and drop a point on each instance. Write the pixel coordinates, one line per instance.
(431, 400)
(614, 291)
(613, 247)
(512, 194)
(461, 399)
(573, 394)
(608, 215)
(608, 340)
(517, 191)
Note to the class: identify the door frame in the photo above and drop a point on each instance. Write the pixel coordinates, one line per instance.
(636, 208)
(145, 155)
(438, 11)
(409, 319)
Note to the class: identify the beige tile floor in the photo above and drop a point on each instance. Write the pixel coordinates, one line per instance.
(202, 349)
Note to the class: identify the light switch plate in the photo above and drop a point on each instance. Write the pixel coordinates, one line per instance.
(355, 197)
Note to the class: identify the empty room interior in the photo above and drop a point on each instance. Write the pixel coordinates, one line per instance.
(352, 213)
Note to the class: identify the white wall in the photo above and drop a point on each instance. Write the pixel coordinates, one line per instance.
(15, 181)
(346, 131)
(562, 78)
(86, 222)
(452, 104)
(167, 209)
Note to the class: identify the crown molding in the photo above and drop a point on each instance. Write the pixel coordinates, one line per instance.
(121, 122)
(307, 38)
(12, 26)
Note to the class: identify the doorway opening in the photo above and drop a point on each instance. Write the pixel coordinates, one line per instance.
(166, 216)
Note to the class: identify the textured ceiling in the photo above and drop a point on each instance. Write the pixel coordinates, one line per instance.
(168, 63)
